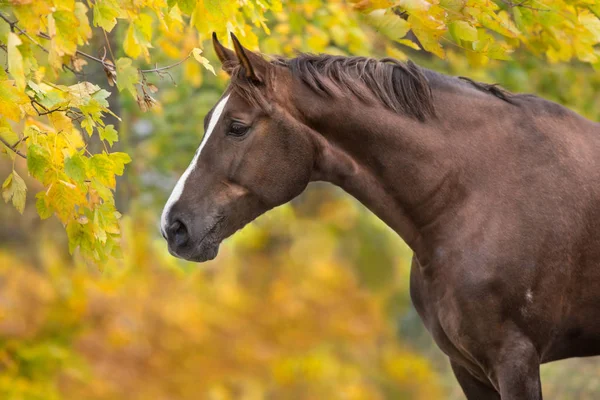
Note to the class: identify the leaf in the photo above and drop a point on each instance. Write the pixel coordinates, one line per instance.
(100, 96)
(105, 14)
(75, 233)
(10, 100)
(119, 160)
(591, 23)
(109, 134)
(186, 6)
(102, 168)
(202, 60)
(127, 76)
(63, 198)
(85, 31)
(131, 45)
(14, 189)
(415, 6)
(15, 60)
(75, 168)
(67, 35)
(7, 133)
(463, 30)
(409, 43)
(429, 38)
(41, 204)
(498, 52)
(389, 24)
(38, 160)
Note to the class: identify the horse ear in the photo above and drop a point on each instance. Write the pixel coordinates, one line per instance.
(254, 65)
(226, 56)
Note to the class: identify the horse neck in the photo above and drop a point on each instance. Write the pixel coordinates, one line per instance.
(395, 165)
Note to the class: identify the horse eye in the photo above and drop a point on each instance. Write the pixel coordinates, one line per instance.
(237, 129)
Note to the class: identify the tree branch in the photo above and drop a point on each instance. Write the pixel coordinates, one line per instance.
(17, 152)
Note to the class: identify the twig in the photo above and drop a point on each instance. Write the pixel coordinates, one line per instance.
(109, 48)
(46, 110)
(13, 26)
(161, 69)
(104, 63)
(17, 152)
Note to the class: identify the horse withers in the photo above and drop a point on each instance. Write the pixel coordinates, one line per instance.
(497, 194)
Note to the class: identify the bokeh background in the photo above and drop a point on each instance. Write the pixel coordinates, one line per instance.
(308, 302)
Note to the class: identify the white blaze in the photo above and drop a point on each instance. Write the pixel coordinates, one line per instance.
(181, 182)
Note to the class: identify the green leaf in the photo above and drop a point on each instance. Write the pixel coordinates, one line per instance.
(75, 168)
(38, 160)
(186, 6)
(127, 76)
(389, 24)
(75, 233)
(44, 210)
(498, 52)
(14, 189)
(100, 96)
(463, 30)
(109, 134)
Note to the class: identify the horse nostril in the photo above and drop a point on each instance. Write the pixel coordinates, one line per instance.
(178, 231)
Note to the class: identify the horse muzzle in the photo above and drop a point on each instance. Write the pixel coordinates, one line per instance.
(185, 243)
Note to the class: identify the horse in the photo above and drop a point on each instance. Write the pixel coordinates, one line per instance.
(496, 193)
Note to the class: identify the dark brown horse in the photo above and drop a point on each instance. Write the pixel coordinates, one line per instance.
(497, 194)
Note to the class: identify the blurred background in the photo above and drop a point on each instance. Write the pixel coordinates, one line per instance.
(308, 302)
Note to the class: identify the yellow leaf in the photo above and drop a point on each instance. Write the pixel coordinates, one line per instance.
(7, 133)
(131, 46)
(10, 100)
(429, 38)
(202, 60)
(15, 60)
(106, 13)
(591, 23)
(14, 189)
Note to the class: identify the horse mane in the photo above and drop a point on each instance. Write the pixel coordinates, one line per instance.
(402, 87)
